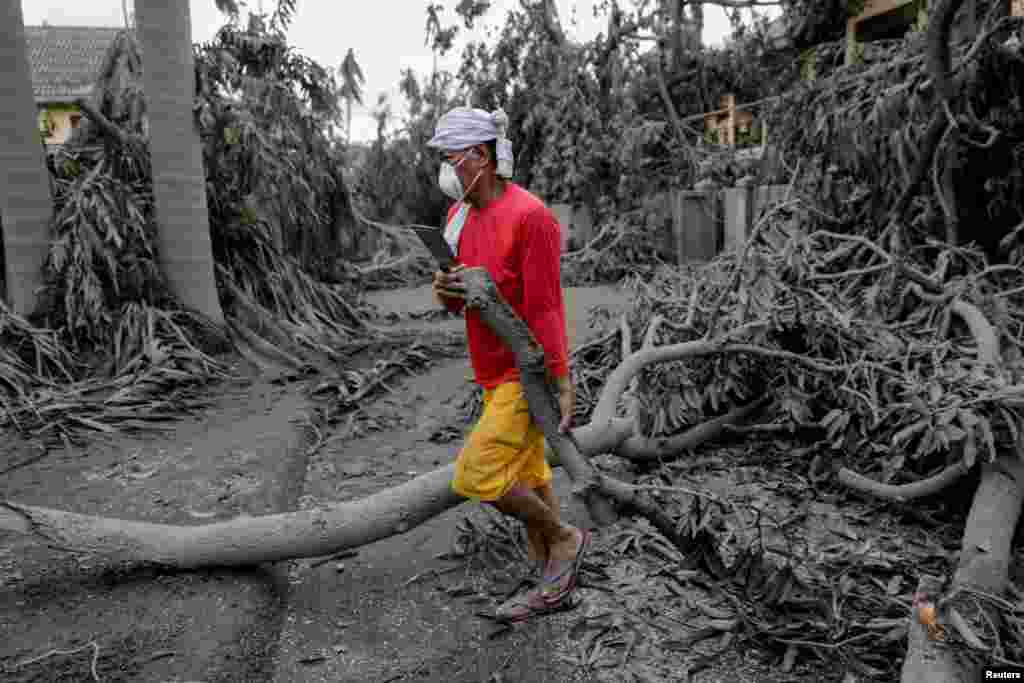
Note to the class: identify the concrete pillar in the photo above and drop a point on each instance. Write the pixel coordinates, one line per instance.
(696, 226)
(658, 222)
(737, 210)
(583, 225)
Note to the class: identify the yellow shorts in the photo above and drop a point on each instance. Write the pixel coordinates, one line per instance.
(505, 448)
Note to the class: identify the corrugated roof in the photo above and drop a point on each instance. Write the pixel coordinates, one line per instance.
(65, 60)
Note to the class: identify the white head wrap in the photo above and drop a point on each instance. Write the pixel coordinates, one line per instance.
(464, 127)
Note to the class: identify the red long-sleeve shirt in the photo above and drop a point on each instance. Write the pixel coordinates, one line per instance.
(517, 239)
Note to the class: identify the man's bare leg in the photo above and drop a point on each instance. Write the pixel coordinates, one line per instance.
(547, 494)
(526, 505)
(537, 549)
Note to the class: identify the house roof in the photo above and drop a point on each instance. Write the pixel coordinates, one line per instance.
(66, 60)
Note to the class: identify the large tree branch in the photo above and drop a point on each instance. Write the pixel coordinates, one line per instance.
(903, 492)
(292, 535)
(482, 294)
(619, 379)
(639, 448)
(985, 549)
(336, 526)
(940, 25)
(988, 355)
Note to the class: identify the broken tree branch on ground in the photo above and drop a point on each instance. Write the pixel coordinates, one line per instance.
(331, 528)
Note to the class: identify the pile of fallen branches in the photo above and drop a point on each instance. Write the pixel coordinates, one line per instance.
(939, 122)
(352, 390)
(901, 372)
(746, 568)
(400, 263)
(401, 260)
(627, 244)
(875, 351)
(277, 205)
(804, 594)
(155, 374)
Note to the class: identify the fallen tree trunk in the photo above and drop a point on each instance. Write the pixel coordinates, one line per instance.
(984, 567)
(639, 448)
(268, 538)
(985, 555)
(334, 527)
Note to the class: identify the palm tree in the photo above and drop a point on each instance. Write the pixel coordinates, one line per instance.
(351, 87)
(26, 205)
(179, 181)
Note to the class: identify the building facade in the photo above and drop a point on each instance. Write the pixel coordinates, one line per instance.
(65, 62)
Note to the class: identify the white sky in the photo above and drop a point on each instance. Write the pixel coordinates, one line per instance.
(386, 35)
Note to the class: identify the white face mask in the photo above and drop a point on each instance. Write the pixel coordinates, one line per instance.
(449, 181)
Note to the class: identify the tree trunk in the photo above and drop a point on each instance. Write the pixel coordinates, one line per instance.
(247, 541)
(677, 21)
(179, 182)
(267, 538)
(984, 566)
(348, 120)
(337, 526)
(697, 24)
(331, 528)
(985, 550)
(25, 201)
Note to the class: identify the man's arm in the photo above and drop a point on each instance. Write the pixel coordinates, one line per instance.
(543, 302)
(454, 304)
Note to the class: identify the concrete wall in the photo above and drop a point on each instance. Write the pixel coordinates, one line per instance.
(689, 225)
(743, 206)
(696, 226)
(577, 224)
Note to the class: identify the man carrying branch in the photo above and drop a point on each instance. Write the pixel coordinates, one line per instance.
(499, 226)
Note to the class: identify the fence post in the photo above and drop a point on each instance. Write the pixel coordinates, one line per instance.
(730, 106)
(695, 225)
(737, 210)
